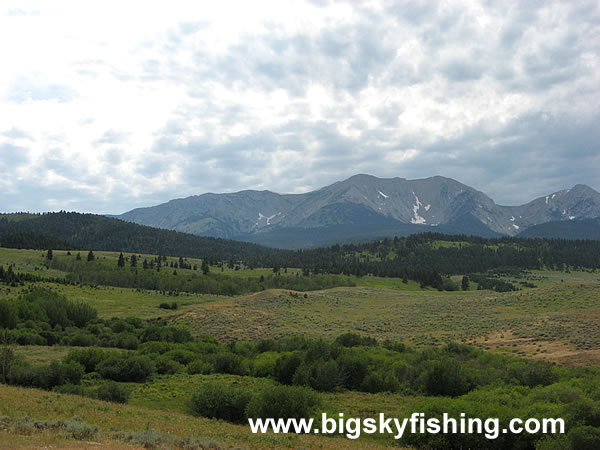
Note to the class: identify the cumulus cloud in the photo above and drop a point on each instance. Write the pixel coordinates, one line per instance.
(114, 106)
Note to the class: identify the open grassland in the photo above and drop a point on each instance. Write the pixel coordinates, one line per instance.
(565, 314)
(558, 320)
(118, 425)
(171, 393)
(123, 302)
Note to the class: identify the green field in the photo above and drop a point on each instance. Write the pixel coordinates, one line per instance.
(557, 321)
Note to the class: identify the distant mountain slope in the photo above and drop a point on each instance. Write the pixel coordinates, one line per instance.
(94, 232)
(362, 206)
(573, 229)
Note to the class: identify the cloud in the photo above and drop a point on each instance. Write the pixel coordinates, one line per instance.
(292, 96)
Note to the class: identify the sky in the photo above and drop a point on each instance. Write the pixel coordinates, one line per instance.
(108, 106)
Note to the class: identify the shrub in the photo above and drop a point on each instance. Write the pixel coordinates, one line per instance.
(284, 402)
(133, 368)
(166, 333)
(68, 388)
(326, 376)
(181, 356)
(199, 366)
(89, 358)
(127, 341)
(229, 363)
(81, 339)
(112, 392)
(220, 401)
(155, 347)
(148, 438)
(354, 368)
(80, 430)
(584, 438)
(380, 382)
(56, 374)
(353, 340)
(447, 377)
(286, 366)
(535, 373)
(165, 365)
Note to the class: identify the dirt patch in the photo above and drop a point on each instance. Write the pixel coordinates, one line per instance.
(563, 353)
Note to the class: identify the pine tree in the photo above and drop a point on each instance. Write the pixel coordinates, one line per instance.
(204, 267)
(465, 283)
(91, 256)
(121, 261)
(133, 261)
(49, 255)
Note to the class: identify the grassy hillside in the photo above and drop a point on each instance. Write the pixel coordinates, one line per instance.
(401, 327)
(127, 426)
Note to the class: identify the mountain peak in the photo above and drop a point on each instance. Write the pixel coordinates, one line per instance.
(363, 205)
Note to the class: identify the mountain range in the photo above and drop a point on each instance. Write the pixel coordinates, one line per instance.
(365, 206)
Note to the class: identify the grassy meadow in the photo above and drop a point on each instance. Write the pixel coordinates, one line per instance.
(557, 320)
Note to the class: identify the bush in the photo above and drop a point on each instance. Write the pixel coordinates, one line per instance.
(165, 365)
(148, 438)
(326, 376)
(353, 340)
(133, 368)
(112, 392)
(80, 430)
(181, 356)
(68, 388)
(56, 374)
(447, 377)
(284, 402)
(354, 368)
(166, 333)
(220, 401)
(535, 373)
(286, 366)
(584, 438)
(199, 366)
(127, 341)
(380, 382)
(89, 358)
(229, 363)
(81, 339)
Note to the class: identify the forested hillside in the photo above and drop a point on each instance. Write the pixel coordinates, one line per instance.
(69, 230)
(425, 258)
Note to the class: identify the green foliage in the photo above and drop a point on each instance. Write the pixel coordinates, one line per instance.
(352, 340)
(80, 430)
(112, 392)
(226, 362)
(584, 438)
(284, 402)
(380, 381)
(447, 377)
(126, 368)
(220, 401)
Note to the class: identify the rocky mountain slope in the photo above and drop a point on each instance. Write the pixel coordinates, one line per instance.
(362, 206)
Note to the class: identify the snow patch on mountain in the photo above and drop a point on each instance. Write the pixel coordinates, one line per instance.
(382, 194)
(269, 218)
(417, 219)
